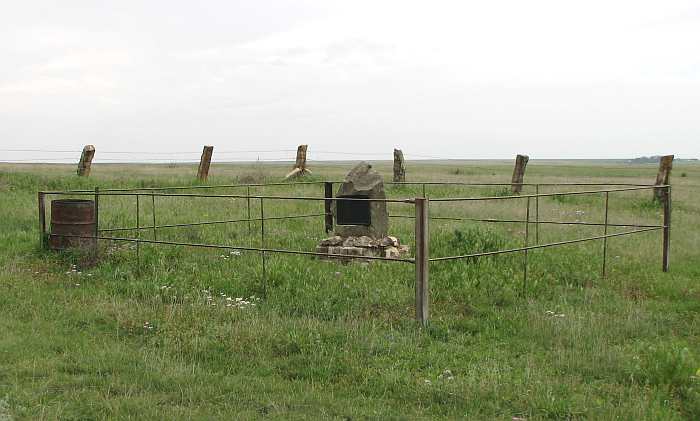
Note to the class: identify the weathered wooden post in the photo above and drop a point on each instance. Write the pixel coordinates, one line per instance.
(204, 163)
(86, 160)
(518, 173)
(421, 260)
(300, 164)
(663, 177)
(399, 167)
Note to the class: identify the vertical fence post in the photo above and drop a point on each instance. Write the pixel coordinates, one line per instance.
(605, 238)
(42, 220)
(97, 220)
(250, 227)
(667, 228)
(262, 239)
(138, 235)
(301, 158)
(153, 205)
(328, 205)
(518, 173)
(537, 213)
(421, 260)
(204, 163)
(85, 163)
(663, 176)
(527, 241)
(423, 190)
(300, 164)
(399, 167)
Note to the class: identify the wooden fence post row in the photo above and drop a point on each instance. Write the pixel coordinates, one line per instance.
(86, 160)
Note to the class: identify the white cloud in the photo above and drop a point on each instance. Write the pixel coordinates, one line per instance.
(459, 79)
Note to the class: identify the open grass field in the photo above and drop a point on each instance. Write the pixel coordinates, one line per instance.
(168, 339)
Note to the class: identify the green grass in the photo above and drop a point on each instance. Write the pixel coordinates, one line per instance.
(332, 341)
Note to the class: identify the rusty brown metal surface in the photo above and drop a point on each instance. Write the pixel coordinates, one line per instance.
(42, 220)
(72, 217)
(422, 260)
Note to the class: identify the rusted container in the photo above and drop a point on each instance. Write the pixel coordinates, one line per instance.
(75, 217)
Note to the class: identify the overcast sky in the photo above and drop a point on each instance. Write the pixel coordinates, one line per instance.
(486, 79)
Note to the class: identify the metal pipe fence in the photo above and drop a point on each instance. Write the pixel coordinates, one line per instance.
(422, 218)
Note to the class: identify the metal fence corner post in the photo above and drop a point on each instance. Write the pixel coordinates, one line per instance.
(422, 260)
(42, 220)
(667, 229)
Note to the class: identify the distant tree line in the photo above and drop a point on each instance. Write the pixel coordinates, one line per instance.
(653, 160)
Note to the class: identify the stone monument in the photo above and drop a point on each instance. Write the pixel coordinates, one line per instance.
(361, 226)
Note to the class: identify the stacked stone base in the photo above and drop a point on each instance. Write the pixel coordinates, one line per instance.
(388, 247)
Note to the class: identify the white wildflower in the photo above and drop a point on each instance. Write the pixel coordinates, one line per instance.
(446, 375)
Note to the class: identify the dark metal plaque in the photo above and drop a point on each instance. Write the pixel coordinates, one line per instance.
(353, 212)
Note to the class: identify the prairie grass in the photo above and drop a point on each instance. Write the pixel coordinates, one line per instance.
(170, 338)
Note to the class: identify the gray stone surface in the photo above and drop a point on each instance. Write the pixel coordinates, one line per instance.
(332, 241)
(361, 246)
(362, 180)
(363, 241)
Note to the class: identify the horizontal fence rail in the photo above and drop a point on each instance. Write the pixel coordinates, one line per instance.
(194, 224)
(208, 186)
(229, 196)
(539, 246)
(228, 247)
(525, 196)
(459, 183)
(398, 183)
(595, 224)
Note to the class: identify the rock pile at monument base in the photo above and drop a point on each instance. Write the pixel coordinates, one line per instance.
(388, 247)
